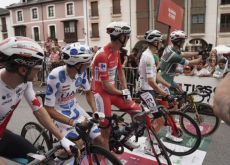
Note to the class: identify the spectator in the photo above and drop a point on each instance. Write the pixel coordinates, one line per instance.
(211, 65)
(220, 68)
(56, 44)
(48, 45)
(188, 70)
(124, 57)
(200, 71)
(55, 55)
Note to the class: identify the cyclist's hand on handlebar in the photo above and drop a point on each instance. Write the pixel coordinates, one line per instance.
(126, 94)
(169, 98)
(66, 144)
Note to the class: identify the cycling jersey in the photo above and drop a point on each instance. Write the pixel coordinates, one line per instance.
(169, 63)
(104, 67)
(10, 98)
(61, 94)
(147, 69)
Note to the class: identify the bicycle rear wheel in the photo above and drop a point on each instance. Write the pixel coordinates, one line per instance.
(189, 143)
(205, 118)
(162, 156)
(35, 134)
(98, 156)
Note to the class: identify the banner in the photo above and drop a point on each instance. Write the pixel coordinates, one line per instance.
(171, 14)
(189, 83)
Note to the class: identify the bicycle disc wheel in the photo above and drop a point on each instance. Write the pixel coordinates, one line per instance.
(97, 156)
(205, 118)
(184, 143)
(162, 156)
(36, 135)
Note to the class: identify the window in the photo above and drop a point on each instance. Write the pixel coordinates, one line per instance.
(116, 7)
(225, 2)
(225, 23)
(69, 8)
(197, 23)
(50, 11)
(52, 32)
(198, 19)
(94, 9)
(19, 16)
(95, 30)
(4, 27)
(36, 33)
(70, 31)
(20, 30)
(34, 13)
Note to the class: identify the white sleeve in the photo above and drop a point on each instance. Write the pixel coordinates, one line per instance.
(85, 82)
(150, 67)
(31, 98)
(51, 90)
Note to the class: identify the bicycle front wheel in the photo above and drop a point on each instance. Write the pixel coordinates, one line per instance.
(204, 117)
(36, 135)
(176, 140)
(98, 156)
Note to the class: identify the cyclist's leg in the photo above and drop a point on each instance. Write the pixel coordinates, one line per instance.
(15, 146)
(103, 104)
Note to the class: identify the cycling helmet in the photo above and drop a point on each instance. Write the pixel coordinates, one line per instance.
(117, 28)
(153, 35)
(22, 51)
(177, 35)
(76, 53)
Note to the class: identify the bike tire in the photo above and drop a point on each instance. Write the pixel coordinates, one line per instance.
(97, 150)
(208, 118)
(41, 141)
(162, 148)
(196, 139)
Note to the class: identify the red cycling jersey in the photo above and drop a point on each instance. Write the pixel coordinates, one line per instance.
(104, 67)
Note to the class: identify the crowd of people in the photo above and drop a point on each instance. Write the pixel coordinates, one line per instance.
(155, 66)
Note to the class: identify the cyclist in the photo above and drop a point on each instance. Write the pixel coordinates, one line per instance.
(148, 76)
(62, 85)
(105, 64)
(23, 59)
(172, 57)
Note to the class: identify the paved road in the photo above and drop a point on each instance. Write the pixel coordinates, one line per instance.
(218, 151)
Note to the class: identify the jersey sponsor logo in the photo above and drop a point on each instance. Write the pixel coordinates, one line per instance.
(62, 76)
(102, 67)
(7, 101)
(51, 77)
(78, 82)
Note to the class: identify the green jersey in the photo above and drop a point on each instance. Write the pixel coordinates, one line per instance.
(169, 62)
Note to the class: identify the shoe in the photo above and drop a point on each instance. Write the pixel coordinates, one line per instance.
(172, 137)
(132, 144)
(148, 148)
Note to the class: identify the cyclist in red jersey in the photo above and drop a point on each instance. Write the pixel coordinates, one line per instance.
(105, 65)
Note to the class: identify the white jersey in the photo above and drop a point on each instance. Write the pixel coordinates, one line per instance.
(10, 98)
(147, 68)
(61, 94)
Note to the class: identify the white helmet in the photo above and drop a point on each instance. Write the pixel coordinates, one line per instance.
(153, 35)
(76, 53)
(177, 35)
(117, 28)
(21, 50)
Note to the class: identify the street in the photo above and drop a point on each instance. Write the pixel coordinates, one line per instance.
(217, 153)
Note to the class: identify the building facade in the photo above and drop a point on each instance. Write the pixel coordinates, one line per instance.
(5, 24)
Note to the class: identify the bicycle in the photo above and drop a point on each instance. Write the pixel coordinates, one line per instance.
(201, 112)
(90, 154)
(140, 123)
(171, 118)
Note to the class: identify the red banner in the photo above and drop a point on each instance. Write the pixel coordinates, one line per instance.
(170, 14)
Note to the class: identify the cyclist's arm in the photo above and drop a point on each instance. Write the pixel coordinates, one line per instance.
(162, 81)
(154, 85)
(195, 61)
(91, 100)
(45, 119)
(189, 54)
(122, 79)
(110, 88)
(221, 104)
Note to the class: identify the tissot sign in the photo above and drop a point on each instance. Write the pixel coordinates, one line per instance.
(170, 14)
